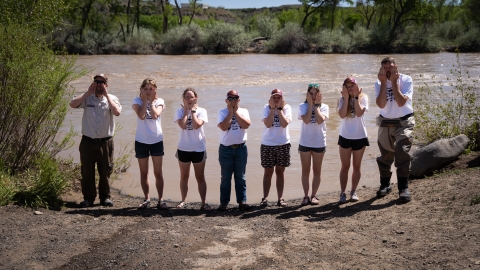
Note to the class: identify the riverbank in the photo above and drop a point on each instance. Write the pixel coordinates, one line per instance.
(438, 228)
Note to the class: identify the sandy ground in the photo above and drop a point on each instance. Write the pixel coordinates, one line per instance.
(439, 228)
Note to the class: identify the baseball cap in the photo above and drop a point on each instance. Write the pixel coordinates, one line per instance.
(101, 75)
(277, 91)
(232, 93)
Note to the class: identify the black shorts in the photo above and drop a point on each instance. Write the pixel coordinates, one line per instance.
(302, 148)
(354, 144)
(143, 150)
(272, 156)
(193, 157)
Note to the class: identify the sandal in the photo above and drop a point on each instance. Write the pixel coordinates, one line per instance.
(162, 205)
(206, 207)
(264, 202)
(314, 200)
(182, 204)
(144, 205)
(281, 203)
(306, 201)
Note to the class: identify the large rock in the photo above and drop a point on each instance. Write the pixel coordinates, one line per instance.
(436, 155)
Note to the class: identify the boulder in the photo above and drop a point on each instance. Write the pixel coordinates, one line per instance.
(436, 155)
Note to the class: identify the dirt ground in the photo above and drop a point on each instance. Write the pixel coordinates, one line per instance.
(439, 228)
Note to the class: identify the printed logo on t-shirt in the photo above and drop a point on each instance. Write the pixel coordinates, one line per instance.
(390, 96)
(148, 115)
(276, 121)
(189, 123)
(234, 124)
(312, 119)
(91, 105)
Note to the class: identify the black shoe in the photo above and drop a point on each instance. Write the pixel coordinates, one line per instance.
(243, 206)
(106, 202)
(383, 191)
(222, 207)
(404, 195)
(86, 203)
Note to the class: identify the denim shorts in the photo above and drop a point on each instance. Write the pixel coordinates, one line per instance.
(302, 148)
(354, 144)
(143, 150)
(193, 157)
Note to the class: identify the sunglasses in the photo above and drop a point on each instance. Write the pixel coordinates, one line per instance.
(99, 82)
(313, 85)
(232, 98)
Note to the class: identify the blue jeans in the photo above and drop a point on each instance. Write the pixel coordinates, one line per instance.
(233, 161)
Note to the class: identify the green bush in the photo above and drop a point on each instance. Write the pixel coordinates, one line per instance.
(333, 41)
(182, 40)
(7, 188)
(360, 36)
(225, 38)
(449, 30)
(447, 111)
(266, 26)
(139, 43)
(417, 39)
(290, 39)
(35, 94)
(470, 41)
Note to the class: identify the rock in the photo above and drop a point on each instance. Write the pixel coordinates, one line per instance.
(436, 155)
(38, 213)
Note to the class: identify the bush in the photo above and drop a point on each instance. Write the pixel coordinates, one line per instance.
(225, 38)
(139, 42)
(470, 42)
(449, 30)
(182, 40)
(335, 41)
(266, 26)
(417, 39)
(35, 95)
(7, 188)
(360, 36)
(445, 113)
(291, 39)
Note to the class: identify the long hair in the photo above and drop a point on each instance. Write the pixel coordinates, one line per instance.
(148, 81)
(351, 111)
(312, 86)
(189, 89)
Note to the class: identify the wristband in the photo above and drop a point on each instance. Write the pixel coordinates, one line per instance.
(193, 111)
(356, 97)
(279, 108)
(318, 105)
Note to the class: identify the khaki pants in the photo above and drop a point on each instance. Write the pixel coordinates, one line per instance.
(395, 144)
(101, 153)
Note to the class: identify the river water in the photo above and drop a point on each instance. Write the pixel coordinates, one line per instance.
(253, 76)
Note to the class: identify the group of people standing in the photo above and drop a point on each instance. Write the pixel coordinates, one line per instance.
(396, 121)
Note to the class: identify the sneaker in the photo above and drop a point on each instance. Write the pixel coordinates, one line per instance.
(222, 207)
(343, 198)
(86, 203)
(383, 191)
(354, 197)
(404, 195)
(106, 202)
(305, 201)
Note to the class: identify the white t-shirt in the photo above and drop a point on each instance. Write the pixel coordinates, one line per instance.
(276, 135)
(235, 134)
(192, 140)
(391, 109)
(149, 131)
(353, 128)
(313, 134)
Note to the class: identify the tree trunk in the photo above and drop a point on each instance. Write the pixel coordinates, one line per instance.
(180, 19)
(193, 11)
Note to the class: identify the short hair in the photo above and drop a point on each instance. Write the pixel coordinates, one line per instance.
(388, 59)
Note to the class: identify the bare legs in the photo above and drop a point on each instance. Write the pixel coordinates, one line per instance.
(306, 159)
(157, 170)
(199, 169)
(267, 180)
(345, 155)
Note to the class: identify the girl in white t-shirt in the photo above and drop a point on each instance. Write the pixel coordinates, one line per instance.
(149, 139)
(313, 114)
(353, 138)
(191, 145)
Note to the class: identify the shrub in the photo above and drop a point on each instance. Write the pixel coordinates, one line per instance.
(182, 40)
(291, 39)
(360, 36)
(470, 42)
(225, 38)
(35, 95)
(418, 39)
(139, 42)
(7, 188)
(266, 26)
(335, 41)
(449, 30)
(445, 113)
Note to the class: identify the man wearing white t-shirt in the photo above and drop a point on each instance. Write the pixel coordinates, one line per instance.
(394, 92)
(233, 122)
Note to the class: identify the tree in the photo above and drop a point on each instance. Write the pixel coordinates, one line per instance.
(310, 7)
(180, 19)
(368, 10)
(195, 8)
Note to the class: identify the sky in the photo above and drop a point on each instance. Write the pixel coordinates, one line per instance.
(247, 3)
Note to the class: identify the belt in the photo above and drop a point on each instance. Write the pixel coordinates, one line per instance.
(234, 145)
(97, 139)
(405, 117)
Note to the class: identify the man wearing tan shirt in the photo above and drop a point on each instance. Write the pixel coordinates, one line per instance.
(96, 146)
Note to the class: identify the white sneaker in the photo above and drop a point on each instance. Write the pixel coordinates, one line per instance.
(354, 197)
(343, 198)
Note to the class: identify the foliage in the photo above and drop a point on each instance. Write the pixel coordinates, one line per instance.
(28, 126)
(182, 40)
(335, 41)
(290, 39)
(475, 200)
(225, 38)
(7, 187)
(445, 112)
(449, 30)
(470, 42)
(266, 26)
(140, 43)
(32, 13)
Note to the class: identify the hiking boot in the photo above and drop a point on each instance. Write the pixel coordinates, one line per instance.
(106, 202)
(343, 198)
(86, 203)
(383, 191)
(404, 195)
